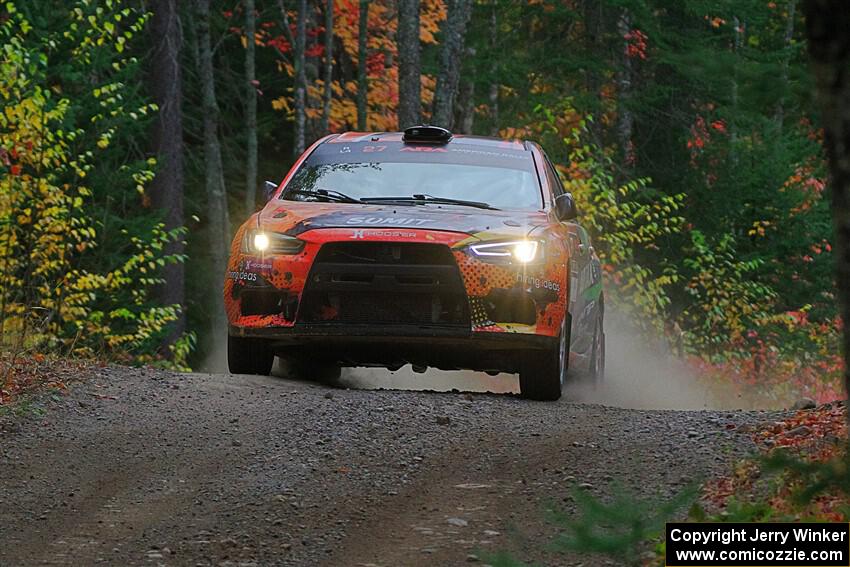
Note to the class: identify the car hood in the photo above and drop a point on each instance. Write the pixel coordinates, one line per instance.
(294, 218)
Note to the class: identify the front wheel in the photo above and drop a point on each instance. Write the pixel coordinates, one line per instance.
(543, 373)
(597, 353)
(247, 355)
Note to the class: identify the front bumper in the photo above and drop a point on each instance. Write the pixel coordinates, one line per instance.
(397, 345)
(305, 333)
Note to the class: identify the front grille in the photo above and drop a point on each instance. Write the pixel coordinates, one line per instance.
(380, 283)
(398, 253)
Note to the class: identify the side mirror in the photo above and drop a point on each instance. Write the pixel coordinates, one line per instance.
(268, 190)
(565, 207)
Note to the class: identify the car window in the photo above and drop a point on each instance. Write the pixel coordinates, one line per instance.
(505, 179)
(554, 178)
(585, 236)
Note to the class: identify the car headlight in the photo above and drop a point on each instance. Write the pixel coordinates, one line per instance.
(260, 242)
(518, 251)
(257, 241)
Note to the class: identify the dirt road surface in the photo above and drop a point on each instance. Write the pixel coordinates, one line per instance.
(142, 467)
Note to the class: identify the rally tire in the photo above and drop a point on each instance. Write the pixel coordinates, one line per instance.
(249, 356)
(543, 373)
(597, 353)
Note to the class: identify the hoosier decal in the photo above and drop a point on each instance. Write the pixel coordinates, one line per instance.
(364, 233)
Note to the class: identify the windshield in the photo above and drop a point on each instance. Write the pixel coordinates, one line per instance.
(503, 179)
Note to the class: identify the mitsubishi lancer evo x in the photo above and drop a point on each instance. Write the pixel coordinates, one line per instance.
(418, 247)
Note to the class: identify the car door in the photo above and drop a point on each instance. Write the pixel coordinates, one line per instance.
(578, 243)
(589, 274)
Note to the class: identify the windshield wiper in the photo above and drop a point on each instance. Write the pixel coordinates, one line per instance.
(326, 194)
(419, 198)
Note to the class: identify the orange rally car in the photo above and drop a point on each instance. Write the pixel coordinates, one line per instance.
(422, 248)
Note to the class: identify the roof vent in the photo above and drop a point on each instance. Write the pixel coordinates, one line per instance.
(429, 134)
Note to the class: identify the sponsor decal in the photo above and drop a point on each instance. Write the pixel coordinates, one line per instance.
(424, 149)
(253, 265)
(404, 221)
(242, 276)
(365, 233)
(512, 155)
(538, 283)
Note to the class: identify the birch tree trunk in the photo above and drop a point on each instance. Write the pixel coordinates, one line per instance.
(409, 65)
(219, 219)
(465, 112)
(786, 60)
(625, 118)
(312, 72)
(300, 79)
(738, 44)
(593, 20)
(285, 24)
(166, 190)
(828, 30)
(450, 62)
(250, 109)
(362, 79)
(494, 84)
(329, 65)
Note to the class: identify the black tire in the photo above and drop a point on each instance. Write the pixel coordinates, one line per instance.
(543, 373)
(249, 356)
(596, 367)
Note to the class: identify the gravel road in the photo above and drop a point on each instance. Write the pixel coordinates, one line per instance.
(143, 467)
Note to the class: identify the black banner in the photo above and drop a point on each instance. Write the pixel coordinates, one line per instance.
(758, 545)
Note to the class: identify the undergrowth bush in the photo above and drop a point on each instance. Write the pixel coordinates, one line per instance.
(60, 290)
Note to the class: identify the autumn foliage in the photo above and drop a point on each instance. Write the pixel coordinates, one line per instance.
(803, 474)
(381, 63)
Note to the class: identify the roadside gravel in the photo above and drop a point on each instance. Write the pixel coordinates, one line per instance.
(143, 467)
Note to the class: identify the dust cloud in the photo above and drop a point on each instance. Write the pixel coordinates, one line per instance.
(641, 375)
(637, 376)
(215, 347)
